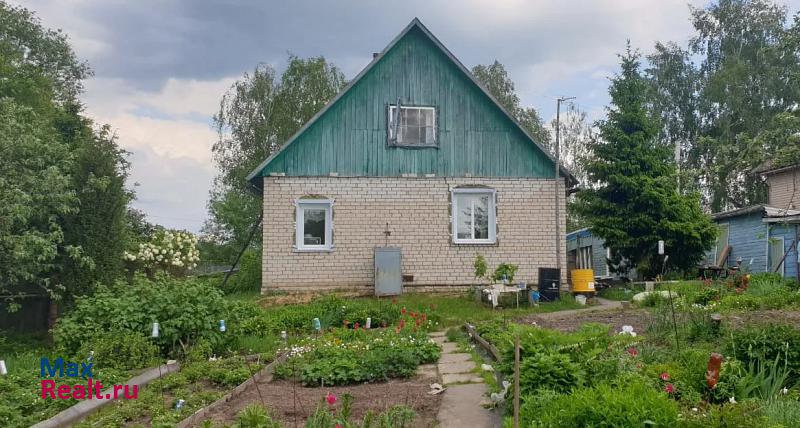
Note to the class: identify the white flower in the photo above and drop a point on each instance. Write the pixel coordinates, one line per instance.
(785, 390)
(732, 400)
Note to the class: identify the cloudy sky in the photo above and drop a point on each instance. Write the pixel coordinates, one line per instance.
(162, 66)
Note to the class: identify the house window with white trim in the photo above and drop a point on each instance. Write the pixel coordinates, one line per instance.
(412, 126)
(314, 225)
(474, 216)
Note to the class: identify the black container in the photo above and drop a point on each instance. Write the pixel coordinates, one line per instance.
(549, 284)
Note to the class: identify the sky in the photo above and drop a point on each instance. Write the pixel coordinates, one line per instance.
(161, 66)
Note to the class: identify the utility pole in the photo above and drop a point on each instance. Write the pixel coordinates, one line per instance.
(558, 190)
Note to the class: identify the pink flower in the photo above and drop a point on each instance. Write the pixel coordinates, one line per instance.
(403, 311)
(633, 352)
(669, 389)
(331, 399)
(664, 376)
(355, 326)
(338, 426)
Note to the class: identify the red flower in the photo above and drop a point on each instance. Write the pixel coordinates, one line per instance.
(633, 352)
(664, 376)
(356, 325)
(397, 329)
(638, 365)
(418, 322)
(402, 324)
(424, 317)
(331, 399)
(338, 426)
(669, 389)
(403, 311)
(413, 315)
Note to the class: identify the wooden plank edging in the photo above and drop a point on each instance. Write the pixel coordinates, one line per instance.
(490, 349)
(263, 374)
(78, 412)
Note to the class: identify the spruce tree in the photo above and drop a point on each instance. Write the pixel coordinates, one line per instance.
(632, 200)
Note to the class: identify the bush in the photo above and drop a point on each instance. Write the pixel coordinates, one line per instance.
(123, 350)
(762, 345)
(255, 416)
(187, 310)
(604, 405)
(248, 278)
(551, 371)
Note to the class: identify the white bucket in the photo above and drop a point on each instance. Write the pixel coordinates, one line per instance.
(581, 299)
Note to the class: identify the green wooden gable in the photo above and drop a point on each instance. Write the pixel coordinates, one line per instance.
(475, 136)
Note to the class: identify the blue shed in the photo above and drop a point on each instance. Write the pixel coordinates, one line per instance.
(760, 237)
(586, 251)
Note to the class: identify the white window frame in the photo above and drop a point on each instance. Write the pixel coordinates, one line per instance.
(608, 258)
(390, 127)
(299, 231)
(492, 216)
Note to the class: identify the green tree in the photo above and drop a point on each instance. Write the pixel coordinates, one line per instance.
(256, 117)
(632, 201)
(744, 73)
(82, 235)
(35, 193)
(497, 81)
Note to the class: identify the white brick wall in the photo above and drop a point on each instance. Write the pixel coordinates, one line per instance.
(418, 213)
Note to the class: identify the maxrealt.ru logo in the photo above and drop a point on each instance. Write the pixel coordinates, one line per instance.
(91, 390)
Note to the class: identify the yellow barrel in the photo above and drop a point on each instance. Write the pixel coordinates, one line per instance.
(583, 281)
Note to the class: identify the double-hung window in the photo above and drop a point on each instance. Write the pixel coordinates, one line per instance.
(474, 216)
(314, 225)
(412, 126)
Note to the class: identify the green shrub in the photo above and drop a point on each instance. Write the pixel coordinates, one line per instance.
(124, 350)
(551, 371)
(603, 405)
(505, 270)
(248, 278)
(255, 416)
(762, 345)
(186, 309)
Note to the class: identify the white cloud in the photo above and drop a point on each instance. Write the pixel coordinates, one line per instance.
(170, 136)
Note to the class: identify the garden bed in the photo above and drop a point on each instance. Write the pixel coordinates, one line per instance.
(291, 402)
(615, 318)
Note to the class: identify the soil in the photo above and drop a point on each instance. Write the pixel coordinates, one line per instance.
(773, 316)
(640, 319)
(292, 403)
(572, 321)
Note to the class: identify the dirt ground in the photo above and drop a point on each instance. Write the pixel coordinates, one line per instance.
(292, 403)
(640, 319)
(572, 320)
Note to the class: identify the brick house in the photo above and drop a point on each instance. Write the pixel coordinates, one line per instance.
(447, 175)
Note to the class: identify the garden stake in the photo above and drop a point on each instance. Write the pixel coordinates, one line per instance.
(154, 334)
(516, 382)
(671, 303)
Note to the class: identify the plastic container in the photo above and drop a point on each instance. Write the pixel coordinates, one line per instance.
(583, 281)
(580, 299)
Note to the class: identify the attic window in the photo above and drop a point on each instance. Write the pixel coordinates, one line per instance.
(414, 127)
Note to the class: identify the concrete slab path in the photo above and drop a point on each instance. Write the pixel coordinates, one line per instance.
(461, 401)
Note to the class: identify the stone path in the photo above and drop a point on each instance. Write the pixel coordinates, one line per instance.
(465, 390)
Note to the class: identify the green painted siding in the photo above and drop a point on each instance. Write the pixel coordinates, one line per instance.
(474, 136)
